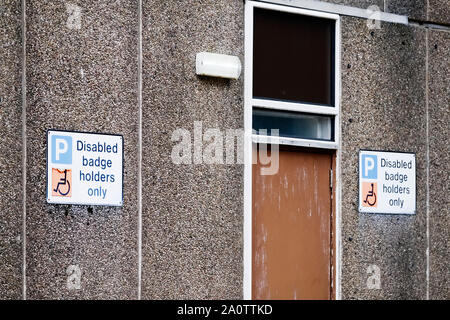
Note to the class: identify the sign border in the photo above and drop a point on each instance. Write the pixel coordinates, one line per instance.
(83, 132)
(359, 184)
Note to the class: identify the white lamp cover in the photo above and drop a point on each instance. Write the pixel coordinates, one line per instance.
(218, 65)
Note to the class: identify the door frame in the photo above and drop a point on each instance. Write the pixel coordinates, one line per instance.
(249, 139)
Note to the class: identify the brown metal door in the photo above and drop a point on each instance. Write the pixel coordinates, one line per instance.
(292, 227)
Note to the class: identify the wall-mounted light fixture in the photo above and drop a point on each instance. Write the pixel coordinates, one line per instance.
(218, 65)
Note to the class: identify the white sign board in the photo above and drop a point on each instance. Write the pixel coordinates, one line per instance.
(84, 168)
(387, 182)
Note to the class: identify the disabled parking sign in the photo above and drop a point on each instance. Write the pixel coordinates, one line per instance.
(84, 168)
(387, 182)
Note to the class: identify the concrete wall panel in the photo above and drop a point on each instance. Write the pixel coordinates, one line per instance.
(414, 9)
(11, 194)
(81, 75)
(192, 214)
(439, 11)
(383, 108)
(439, 120)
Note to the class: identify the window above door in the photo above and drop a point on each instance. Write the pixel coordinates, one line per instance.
(293, 57)
(292, 74)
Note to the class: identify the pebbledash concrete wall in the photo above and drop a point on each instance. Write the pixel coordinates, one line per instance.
(74, 65)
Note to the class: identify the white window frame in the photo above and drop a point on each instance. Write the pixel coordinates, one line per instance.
(250, 102)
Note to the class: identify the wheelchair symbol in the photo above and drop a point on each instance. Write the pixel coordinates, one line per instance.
(369, 192)
(61, 182)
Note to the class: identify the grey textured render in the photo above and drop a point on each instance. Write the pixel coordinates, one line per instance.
(186, 240)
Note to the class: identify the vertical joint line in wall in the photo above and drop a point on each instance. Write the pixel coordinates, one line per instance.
(385, 2)
(24, 154)
(427, 167)
(139, 148)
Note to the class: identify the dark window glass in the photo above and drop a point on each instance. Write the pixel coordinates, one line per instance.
(293, 57)
(294, 124)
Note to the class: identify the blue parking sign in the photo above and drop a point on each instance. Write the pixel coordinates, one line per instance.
(369, 166)
(61, 149)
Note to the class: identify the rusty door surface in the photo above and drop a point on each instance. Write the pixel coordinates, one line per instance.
(292, 227)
